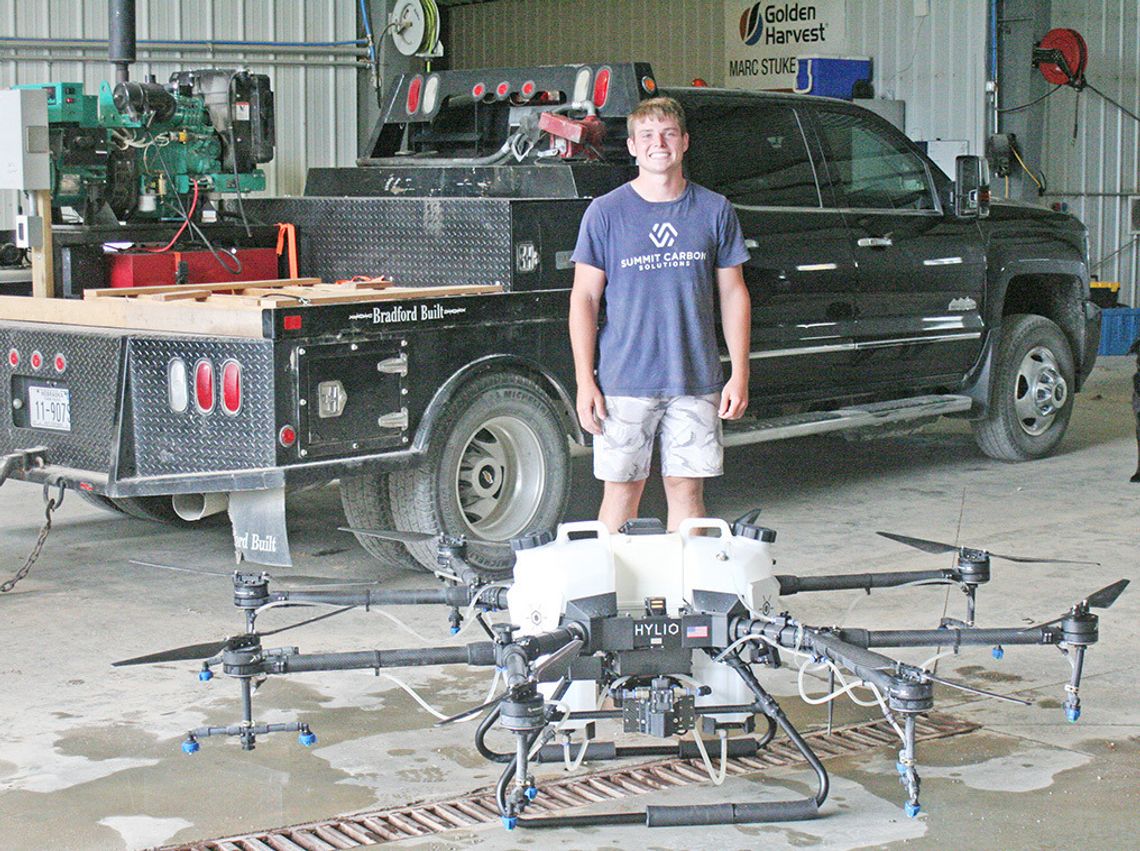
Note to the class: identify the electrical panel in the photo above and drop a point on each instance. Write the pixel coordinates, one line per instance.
(24, 149)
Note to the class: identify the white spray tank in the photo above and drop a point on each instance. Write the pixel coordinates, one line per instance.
(549, 573)
(740, 565)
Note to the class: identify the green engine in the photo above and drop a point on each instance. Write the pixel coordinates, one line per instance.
(141, 150)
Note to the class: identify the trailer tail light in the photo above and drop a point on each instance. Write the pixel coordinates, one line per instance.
(431, 93)
(582, 85)
(37, 360)
(414, 88)
(528, 89)
(60, 362)
(287, 436)
(478, 90)
(177, 388)
(13, 358)
(204, 386)
(292, 323)
(650, 85)
(231, 387)
(502, 90)
(601, 88)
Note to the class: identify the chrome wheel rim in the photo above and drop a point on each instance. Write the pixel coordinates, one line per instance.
(501, 479)
(1040, 391)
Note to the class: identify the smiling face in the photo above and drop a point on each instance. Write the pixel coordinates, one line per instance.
(658, 144)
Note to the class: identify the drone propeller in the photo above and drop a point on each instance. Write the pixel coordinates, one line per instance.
(1100, 599)
(567, 651)
(209, 649)
(397, 535)
(288, 579)
(939, 547)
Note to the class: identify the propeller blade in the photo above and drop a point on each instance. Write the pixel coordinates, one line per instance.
(920, 543)
(978, 691)
(180, 569)
(1106, 596)
(392, 535)
(326, 615)
(475, 710)
(1031, 560)
(558, 657)
(177, 654)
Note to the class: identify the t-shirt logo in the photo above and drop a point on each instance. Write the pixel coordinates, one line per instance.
(662, 234)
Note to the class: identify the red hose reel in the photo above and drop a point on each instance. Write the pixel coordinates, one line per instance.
(1062, 57)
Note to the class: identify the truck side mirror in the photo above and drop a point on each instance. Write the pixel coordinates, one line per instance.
(971, 187)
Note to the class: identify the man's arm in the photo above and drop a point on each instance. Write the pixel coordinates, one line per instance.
(736, 319)
(585, 300)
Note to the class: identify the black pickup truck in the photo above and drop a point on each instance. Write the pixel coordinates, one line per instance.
(882, 292)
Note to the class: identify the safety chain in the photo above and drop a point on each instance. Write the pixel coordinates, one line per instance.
(50, 505)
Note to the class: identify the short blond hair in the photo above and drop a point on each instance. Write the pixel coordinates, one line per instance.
(660, 107)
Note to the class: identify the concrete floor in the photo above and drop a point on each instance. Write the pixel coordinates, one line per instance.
(89, 755)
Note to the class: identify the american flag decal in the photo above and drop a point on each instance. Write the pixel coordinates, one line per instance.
(696, 632)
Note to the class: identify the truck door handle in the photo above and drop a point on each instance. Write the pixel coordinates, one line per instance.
(875, 242)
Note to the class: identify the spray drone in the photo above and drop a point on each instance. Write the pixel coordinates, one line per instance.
(672, 630)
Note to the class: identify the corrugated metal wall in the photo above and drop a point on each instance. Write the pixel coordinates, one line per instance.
(933, 61)
(315, 91)
(1097, 172)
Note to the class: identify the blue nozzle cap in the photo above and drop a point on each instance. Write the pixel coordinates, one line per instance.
(1072, 713)
(509, 822)
(190, 746)
(998, 652)
(454, 630)
(900, 768)
(205, 676)
(307, 739)
(531, 792)
(912, 808)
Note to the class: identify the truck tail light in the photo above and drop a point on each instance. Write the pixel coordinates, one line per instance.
(36, 360)
(231, 387)
(431, 93)
(582, 85)
(528, 88)
(13, 358)
(478, 90)
(414, 88)
(502, 90)
(177, 388)
(204, 386)
(287, 436)
(60, 362)
(601, 88)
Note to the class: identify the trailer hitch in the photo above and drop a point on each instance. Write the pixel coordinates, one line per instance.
(21, 461)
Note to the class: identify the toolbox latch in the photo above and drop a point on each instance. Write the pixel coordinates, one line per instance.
(394, 366)
(396, 419)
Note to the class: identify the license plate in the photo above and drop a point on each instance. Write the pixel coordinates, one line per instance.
(49, 407)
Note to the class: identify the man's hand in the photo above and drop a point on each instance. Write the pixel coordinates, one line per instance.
(591, 408)
(733, 398)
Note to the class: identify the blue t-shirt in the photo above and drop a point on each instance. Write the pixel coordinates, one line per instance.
(660, 260)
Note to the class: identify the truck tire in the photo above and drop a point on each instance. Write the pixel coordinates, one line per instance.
(367, 505)
(498, 467)
(1031, 398)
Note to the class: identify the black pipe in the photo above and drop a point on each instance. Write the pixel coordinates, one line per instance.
(121, 43)
(478, 653)
(946, 636)
(451, 595)
(858, 581)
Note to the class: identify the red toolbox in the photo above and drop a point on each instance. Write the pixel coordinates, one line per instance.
(148, 269)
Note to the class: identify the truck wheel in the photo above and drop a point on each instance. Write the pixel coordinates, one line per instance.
(367, 505)
(498, 468)
(1032, 391)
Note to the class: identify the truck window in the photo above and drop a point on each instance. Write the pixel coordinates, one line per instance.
(873, 170)
(754, 155)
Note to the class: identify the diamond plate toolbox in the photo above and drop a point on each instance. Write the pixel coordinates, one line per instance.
(416, 241)
(78, 374)
(167, 442)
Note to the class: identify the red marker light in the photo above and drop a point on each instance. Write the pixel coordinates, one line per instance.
(414, 88)
(528, 88)
(60, 363)
(292, 323)
(503, 89)
(287, 436)
(87, 486)
(13, 358)
(204, 386)
(601, 88)
(231, 387)
(478, 90)
(37, 360)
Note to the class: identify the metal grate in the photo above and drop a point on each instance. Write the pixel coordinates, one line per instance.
(607, 785)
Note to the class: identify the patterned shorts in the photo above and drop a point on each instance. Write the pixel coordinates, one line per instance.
(687, 427)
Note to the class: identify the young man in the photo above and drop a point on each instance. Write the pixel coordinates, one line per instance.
(660, 249)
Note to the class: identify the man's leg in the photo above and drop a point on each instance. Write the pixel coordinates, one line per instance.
(686, 498)
(619, 503)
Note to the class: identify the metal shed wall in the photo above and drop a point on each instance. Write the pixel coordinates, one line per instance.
(1097, 172)
(932, 55)
(314, 88)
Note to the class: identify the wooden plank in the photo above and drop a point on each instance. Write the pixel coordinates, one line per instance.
(42, 256)
(128, 292)
(397, 293)
(133, 314)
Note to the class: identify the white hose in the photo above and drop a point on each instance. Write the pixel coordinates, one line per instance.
(716, 778)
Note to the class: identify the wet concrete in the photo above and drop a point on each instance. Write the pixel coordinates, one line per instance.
(89, 757)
